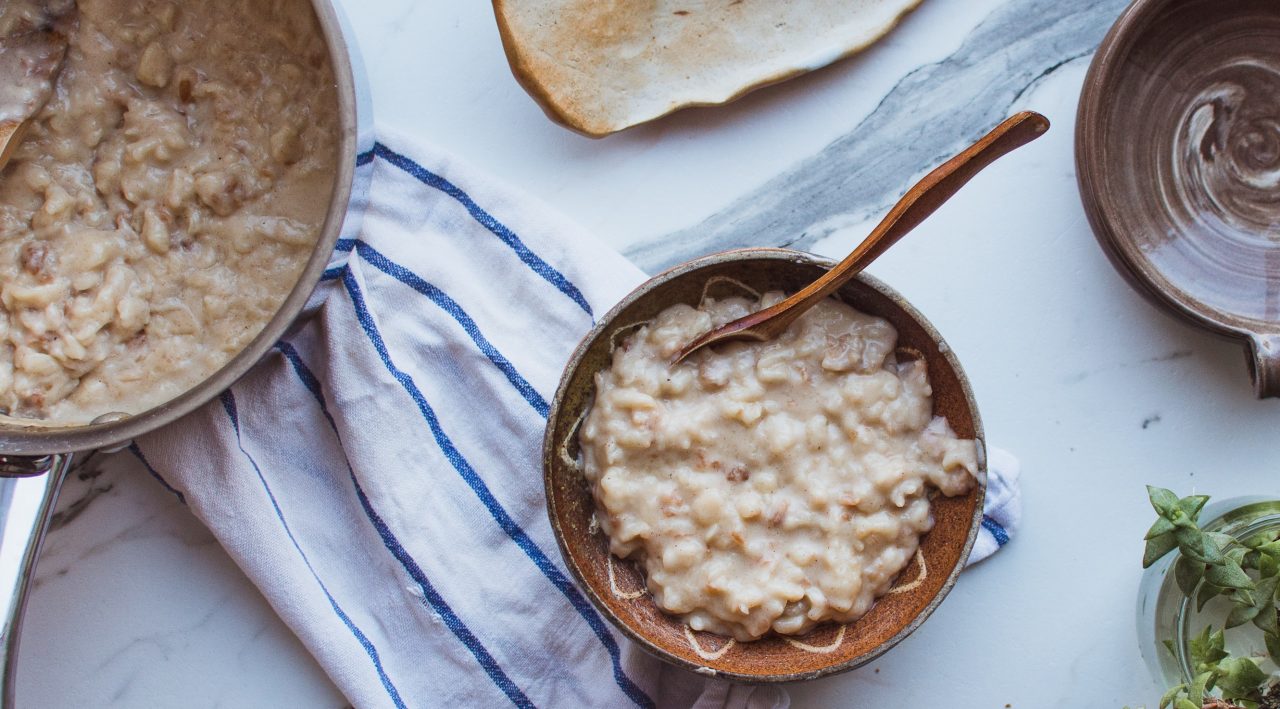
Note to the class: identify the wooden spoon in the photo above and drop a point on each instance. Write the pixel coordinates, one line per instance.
(29, 67)
(915, 206)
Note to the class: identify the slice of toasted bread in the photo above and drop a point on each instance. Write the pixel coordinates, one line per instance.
(599, 66)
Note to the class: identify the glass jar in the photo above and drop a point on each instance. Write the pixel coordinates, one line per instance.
(1164, 613)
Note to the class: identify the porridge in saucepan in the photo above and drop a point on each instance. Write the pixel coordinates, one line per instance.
(768, 486)
(164, 201)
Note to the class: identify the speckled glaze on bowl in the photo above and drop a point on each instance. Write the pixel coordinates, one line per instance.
(1178, 159)
(617, 587)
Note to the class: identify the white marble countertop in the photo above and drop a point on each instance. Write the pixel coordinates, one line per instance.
(135, 605)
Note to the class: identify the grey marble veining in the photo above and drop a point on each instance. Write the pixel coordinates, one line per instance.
(85, 483)
(931, 114)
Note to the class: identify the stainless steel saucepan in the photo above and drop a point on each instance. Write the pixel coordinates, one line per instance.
(35, 460)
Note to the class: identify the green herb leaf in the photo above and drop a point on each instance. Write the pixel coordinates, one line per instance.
(1241, 613)
(1167, 699)
(1157, 548)
(1207, 592)
(1184, 703)
(1188, 574)
(1273, 648)
(1164, 501)
(1208, 648)
(1192, 504)
(1240, 678)
(1250, 560)
(1267, 565)
(1162, 526)
(1198, 545)
(1236, 553)
(1270, 548)
(1263, 601)
(1224, 541)
(1267, 620)
(1199, 687)
(1228, 574)
(1241, 597)
(1257, 540)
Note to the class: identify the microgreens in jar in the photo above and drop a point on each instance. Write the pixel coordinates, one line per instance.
(1241, 575)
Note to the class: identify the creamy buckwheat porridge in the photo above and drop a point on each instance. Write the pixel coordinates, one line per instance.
(768, 486)
(164, 200)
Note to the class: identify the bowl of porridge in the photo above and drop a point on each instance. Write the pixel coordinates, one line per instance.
(169, 210)
(764, 511)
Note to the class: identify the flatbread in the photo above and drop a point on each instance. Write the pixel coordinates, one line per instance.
(599, 66)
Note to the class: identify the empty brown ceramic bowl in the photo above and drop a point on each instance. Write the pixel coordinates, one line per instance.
(1178, 158)
(617, 587)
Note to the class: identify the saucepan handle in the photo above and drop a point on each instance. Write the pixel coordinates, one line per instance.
(28, 491)
(1264, 364)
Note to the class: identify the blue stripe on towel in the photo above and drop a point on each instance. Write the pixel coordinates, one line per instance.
(364, 158)
(497, 228)
(499, 514)
(996, 530)
(379, 261)
(229, 404)
(450, 306)
(343, 246)
(137, 452)
(430, 594)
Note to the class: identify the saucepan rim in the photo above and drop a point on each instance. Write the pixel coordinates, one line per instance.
(41, 440)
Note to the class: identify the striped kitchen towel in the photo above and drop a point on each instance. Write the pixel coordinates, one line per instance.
(377, 476)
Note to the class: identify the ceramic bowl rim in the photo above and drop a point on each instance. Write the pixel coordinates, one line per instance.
(604, 324)
(1120, 248)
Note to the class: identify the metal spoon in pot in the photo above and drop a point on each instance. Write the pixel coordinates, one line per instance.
(33, 46)
(915, 206)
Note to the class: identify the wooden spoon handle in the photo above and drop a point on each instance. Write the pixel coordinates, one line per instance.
(916, 205)
(942, 184)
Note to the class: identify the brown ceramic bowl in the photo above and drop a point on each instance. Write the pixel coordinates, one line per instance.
(1178, 158)
(617, 587)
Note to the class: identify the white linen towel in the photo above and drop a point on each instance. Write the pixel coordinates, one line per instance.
(377, 476)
